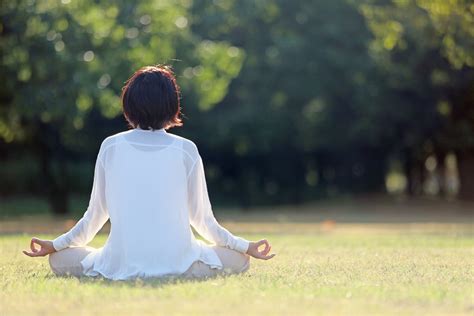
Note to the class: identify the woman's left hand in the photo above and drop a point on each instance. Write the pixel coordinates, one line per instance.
(260, 254)
(46, 248)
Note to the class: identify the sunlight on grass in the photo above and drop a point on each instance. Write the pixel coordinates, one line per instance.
(334, 272)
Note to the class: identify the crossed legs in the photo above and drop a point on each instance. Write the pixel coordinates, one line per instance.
(68, 262)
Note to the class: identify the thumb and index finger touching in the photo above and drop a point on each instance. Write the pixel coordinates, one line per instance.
(35, 252)
(263, 253)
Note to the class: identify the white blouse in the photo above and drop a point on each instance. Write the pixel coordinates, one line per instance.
(151, 184)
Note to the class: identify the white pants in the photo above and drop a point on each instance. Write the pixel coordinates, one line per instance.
(68, 262)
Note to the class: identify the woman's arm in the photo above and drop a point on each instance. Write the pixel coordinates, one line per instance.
(203, 220)
(201, 215)
(93, 219)
(87, 227)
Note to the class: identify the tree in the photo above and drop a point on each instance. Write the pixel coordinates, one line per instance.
(425, 50)
(300, 96)
(64, 63)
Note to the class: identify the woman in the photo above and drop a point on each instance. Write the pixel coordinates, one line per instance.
(151, 185)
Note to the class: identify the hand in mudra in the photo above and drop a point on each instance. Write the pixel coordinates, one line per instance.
(46, 248)
(260, 254)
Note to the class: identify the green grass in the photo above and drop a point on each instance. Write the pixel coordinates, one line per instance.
(348, 269)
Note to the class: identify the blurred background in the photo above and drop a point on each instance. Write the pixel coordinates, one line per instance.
(289, 102)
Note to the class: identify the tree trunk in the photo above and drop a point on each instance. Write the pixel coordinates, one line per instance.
(414, 171)
(466, 173)
(374, 163)
(441, 173)
(56, 188)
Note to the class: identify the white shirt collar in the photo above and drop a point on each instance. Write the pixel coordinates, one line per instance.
(138, 128)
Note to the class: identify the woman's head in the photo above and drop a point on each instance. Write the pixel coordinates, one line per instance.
(151, 98)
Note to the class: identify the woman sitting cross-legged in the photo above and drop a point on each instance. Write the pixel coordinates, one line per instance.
(151, 185)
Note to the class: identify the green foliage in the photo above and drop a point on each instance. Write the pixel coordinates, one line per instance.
(286, 100)
(425, 50)
(65, 59)
(64, 64)
(219, 63)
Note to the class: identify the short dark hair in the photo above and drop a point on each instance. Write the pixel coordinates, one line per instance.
(151, 98)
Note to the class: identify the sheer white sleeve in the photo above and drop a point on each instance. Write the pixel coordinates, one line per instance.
(201, 214)
(93, 219)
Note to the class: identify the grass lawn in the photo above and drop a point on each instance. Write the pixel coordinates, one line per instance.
(322, 267)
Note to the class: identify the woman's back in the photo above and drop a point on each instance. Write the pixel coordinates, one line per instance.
(145, 173)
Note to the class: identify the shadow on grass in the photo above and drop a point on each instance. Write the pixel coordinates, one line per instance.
(153, 282)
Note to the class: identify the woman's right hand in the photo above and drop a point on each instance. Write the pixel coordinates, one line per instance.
(46, 248)
(260, 254)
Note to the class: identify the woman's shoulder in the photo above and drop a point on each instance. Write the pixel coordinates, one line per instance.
(186, 144)
(183, 140)
(112, 139)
